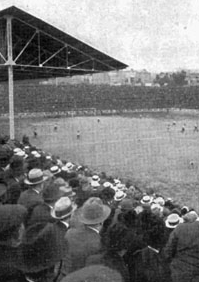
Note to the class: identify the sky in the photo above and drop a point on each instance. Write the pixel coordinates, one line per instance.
(156, 35)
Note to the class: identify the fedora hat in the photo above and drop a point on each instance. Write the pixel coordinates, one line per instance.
(146, 200)
(51, 193)
(64, 187)
(94, 211)
(126, 204)
(173, 220)
(62, 208)
(119, 195)
(55, 170)
(35, 176)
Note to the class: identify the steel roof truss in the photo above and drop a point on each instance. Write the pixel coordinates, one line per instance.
(61, 41)
(24, 48)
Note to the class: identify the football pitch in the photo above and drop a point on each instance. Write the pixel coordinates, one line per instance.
(148, 148)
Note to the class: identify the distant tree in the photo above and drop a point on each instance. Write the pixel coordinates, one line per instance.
(162, 79)
(179, 78)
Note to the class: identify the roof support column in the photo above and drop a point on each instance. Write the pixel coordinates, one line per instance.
(10, 64)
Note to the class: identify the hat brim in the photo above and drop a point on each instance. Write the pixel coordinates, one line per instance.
(173, 226)
(104, 216)
(26, 181)
(119, 199)
(54, 173)
(63, 216)
(146, 203)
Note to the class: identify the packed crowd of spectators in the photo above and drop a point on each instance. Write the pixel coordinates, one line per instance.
(51, 98)
(61, 221)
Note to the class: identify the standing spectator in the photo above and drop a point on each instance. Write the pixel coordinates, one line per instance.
(182, 251)
(41, 212)
(84, 240)
(78, 134)
(33, 195)
(11, 232)
(115, 243)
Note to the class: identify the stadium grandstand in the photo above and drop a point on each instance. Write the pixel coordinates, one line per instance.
(31, 48)
(98, 183)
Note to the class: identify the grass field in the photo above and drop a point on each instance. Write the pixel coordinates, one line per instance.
(138, 147)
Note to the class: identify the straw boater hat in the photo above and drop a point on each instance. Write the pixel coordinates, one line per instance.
(108, 185)
(119, 195)
(121, 186)
(146, 200)
(16, 150)
(62, 208)
(35, 176)
(21, 154)
(159, 200)
(95, 181)
(55, 170)
(94, 211)
(173, 220)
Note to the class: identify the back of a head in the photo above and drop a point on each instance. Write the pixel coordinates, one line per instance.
(94, 273)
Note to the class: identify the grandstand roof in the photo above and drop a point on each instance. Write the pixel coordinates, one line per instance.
(40, 50)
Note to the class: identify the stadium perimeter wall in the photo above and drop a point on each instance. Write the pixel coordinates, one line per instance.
(82, 99)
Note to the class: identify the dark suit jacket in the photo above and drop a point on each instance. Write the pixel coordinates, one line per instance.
(112, 260)
(41, 213)
(8, 269)
(182, 250)
(82, 242)
(29, 198)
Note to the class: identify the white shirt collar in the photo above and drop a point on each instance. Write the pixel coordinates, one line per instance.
(36, 191)
(94, 229)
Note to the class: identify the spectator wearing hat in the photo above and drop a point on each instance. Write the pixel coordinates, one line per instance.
(12, 229)
(95, 182)
(33, 195)
(182, 251)
(14, 177)
(55, 170)
(123, 206)
(190, 216)
(146, 201)
(148, 263)
(171, 222)
(62, 211)
(84, 240)
(41, 212)
(4, 162)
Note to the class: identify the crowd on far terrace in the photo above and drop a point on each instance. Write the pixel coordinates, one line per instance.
(62, 221)
(62, 98)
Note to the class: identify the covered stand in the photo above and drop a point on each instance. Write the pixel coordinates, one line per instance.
(31, 48)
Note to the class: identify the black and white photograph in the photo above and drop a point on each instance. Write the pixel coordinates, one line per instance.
(99, 141)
